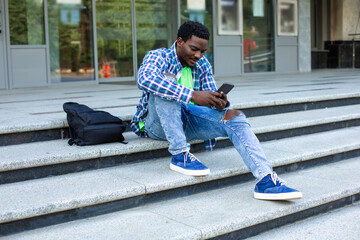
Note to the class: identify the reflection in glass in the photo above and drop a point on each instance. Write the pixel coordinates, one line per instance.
(114, 38)
(26, 19)
(287, 17)
(259, 53)
(229, 17)
(70, 39)
(287, 14)
(200, 12)
(153, 26)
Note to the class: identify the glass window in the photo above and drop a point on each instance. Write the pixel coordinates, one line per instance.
(258, 30)
(229, 16)
(287, 18)
(26, 19)
(70, 40)
(199, 11)
(153, 26)
(114, 38)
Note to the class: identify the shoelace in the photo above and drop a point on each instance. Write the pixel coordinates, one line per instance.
(191, 156)
(274, 178)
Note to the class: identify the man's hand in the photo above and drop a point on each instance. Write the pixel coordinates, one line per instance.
(223, 97)
(209, 99)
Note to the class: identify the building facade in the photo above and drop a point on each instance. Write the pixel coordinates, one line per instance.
(47, 42)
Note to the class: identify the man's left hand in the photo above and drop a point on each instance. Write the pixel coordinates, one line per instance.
(222, 101)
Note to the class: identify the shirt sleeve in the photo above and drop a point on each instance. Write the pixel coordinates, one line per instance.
(152, 79)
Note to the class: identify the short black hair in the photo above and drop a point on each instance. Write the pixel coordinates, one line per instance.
(191, 28)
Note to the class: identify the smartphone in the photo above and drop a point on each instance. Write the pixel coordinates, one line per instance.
(225, 88)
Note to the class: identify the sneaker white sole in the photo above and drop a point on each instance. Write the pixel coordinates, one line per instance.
(278, 196)
(195, 173)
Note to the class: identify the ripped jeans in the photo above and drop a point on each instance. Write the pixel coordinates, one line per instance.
(179, 123)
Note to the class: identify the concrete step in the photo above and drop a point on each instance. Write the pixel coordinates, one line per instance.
(291, 124)
(78, 195)
(302, 119)
(44, 123)
(337, 224)
(57, 157)
(45, 156)
(226, 213)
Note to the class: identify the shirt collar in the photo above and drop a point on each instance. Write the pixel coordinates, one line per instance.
(175, 57)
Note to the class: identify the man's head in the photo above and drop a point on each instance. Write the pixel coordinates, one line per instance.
(191, 28)
(192, 42)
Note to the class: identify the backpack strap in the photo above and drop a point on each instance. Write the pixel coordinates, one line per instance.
(74, 141)
(71, 141)
(71, 133)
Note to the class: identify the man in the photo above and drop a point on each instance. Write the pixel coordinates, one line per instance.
(180, 104)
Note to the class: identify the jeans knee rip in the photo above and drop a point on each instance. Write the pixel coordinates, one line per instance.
(237, 120)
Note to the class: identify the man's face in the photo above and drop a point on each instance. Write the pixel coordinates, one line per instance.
(191, 51)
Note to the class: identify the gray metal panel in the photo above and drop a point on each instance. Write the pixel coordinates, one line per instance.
(227, 51)
(227, 61)
(228, 40)
(94, 35)
(286, 59)
(3, 75)
(286, 51)
(47, 41)
(286, 54)
(2, 66)
(28, 66)
(286, 41)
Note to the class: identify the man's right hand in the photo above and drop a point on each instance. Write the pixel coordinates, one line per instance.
(209, 99)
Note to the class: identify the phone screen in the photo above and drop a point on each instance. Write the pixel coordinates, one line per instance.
(225, 88)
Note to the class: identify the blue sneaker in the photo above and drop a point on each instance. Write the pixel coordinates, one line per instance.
(271, 187)
(186, 163)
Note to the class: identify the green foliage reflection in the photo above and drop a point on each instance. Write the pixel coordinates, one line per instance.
(26, 19)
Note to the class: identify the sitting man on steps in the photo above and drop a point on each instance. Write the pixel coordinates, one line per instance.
(180, 104)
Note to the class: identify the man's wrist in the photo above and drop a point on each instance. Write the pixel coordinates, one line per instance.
(227, 104)
(193, 96)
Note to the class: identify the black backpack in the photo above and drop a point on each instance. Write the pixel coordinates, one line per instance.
(89, 127)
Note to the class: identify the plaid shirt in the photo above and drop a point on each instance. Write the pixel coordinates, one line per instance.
(151, 78)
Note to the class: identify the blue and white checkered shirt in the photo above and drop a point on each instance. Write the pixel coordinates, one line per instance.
(151, 78)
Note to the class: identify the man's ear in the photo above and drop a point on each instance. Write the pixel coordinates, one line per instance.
(180, 41)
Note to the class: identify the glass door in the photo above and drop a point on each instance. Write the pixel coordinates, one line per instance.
(27, 46)
(126, 31)
(153, 26)
(258, 27)
(114, 39)
(71, 40)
